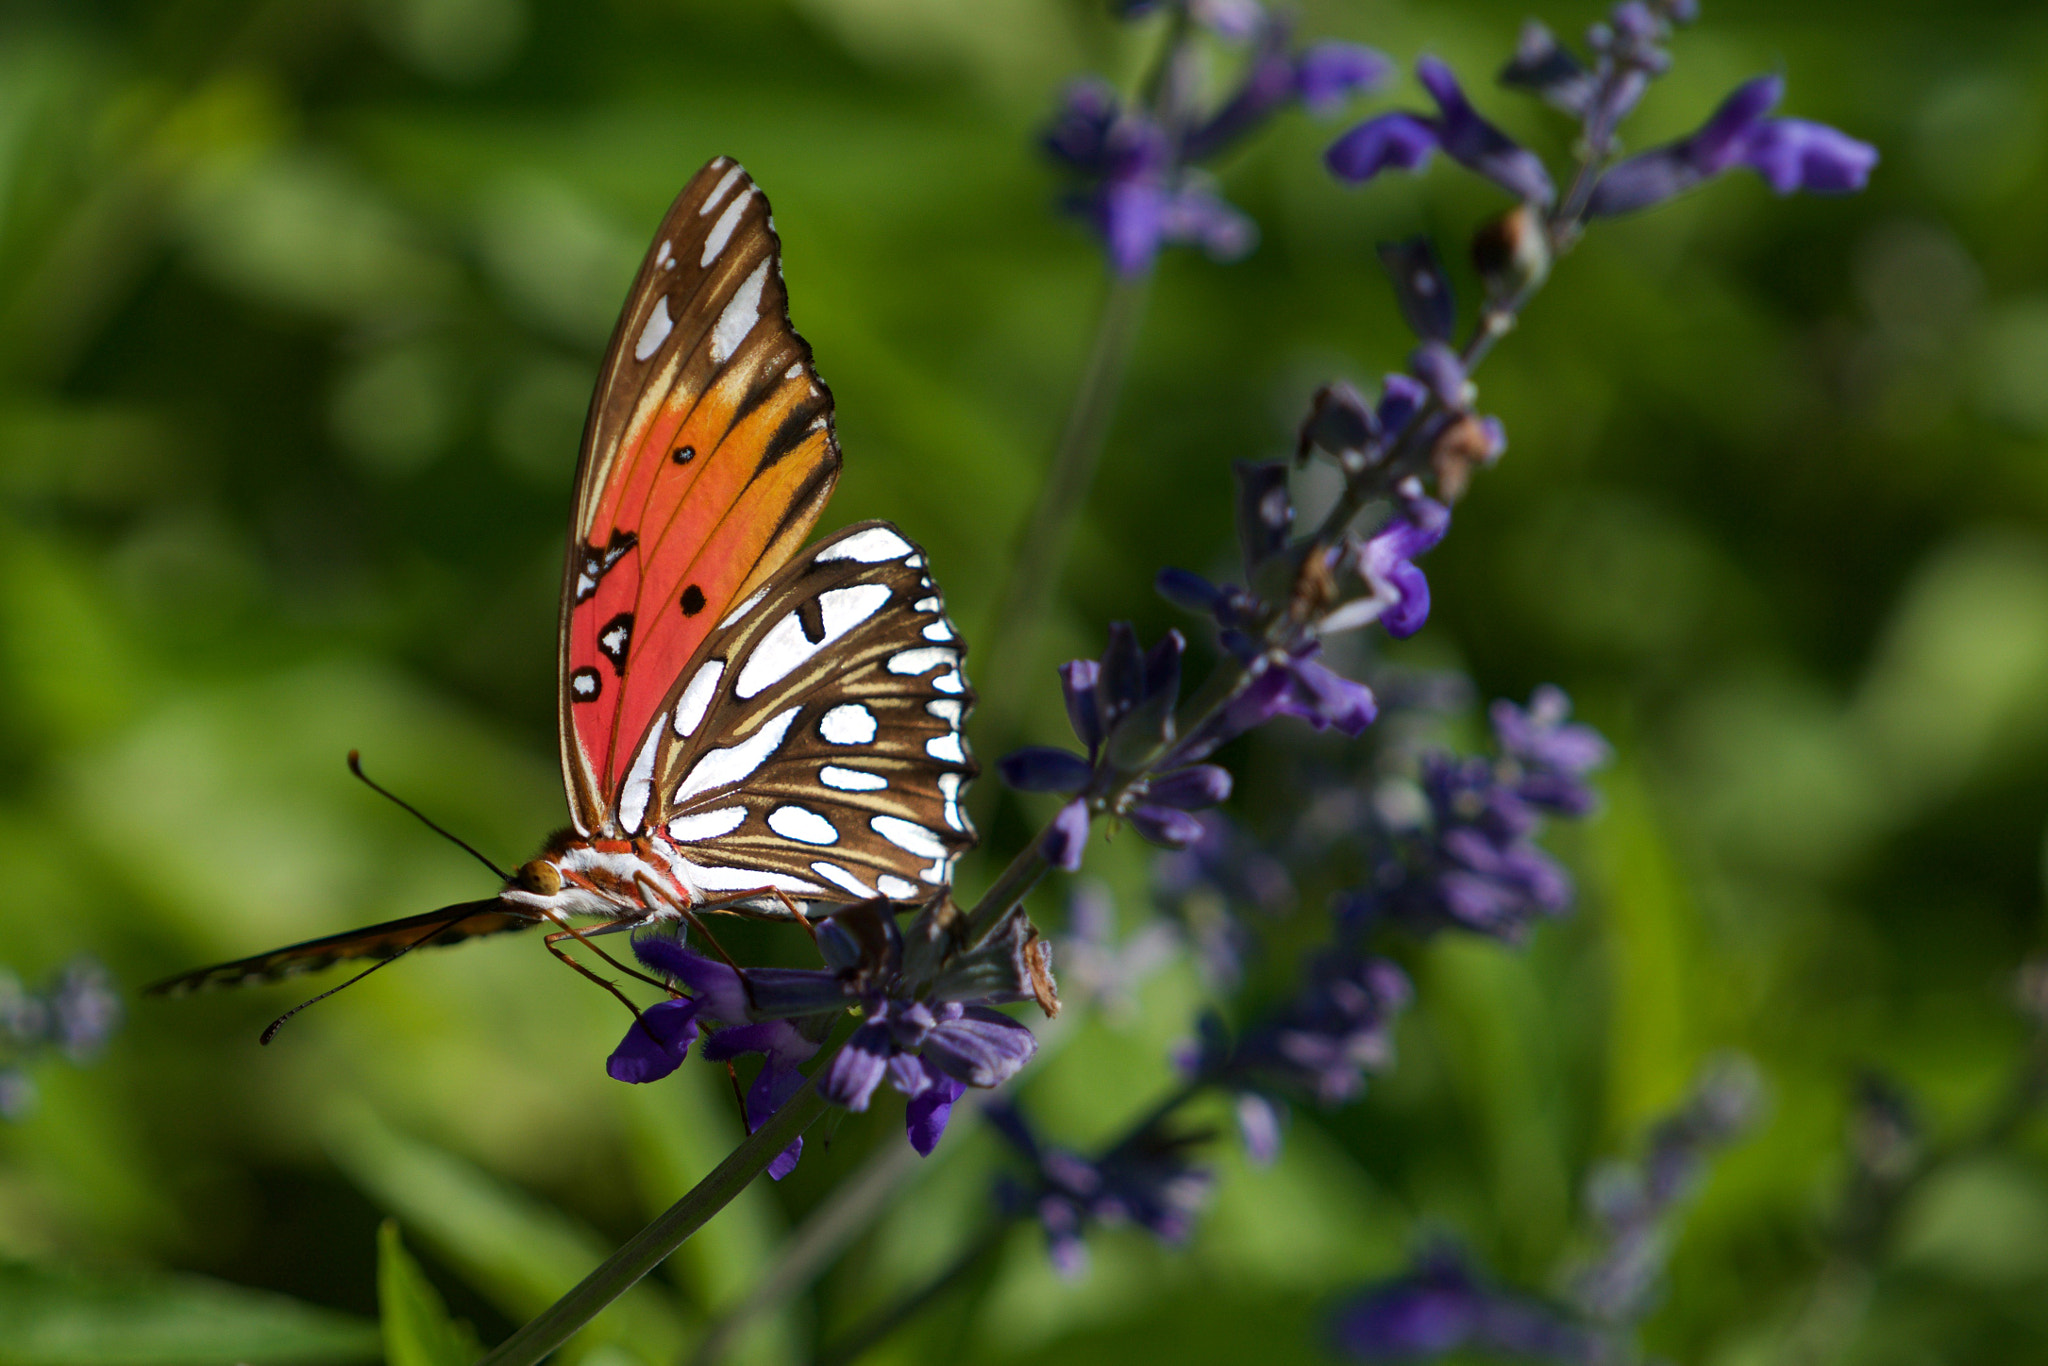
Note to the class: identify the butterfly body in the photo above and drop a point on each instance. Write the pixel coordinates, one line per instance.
(746, 723)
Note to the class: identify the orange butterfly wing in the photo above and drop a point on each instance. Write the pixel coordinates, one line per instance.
(707, 458)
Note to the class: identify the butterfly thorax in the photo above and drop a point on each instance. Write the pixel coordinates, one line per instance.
(610, 879)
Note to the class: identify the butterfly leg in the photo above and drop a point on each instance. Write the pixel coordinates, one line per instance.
(652, 896)
(569, 931)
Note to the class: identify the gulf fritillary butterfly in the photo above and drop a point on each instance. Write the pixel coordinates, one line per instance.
(744, 724)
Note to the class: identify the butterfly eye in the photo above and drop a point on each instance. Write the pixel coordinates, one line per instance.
(540, 876)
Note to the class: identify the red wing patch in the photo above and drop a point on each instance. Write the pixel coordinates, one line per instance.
(708, 456)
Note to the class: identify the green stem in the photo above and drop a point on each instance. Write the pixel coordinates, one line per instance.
(1020, 608)
(852, 1206)
(647, 1249)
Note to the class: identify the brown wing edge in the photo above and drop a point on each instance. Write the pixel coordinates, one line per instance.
(449, 925)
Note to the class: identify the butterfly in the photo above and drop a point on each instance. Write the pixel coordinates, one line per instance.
(746, 724)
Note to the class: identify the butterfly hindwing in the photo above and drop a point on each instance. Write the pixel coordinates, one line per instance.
(816, 745)
(708, 455)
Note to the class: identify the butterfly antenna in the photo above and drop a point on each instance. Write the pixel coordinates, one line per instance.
(355, 766)
(270, 1030)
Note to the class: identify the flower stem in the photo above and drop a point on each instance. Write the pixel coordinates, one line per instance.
(646, 1250)
(1007, 666)
(852, 1206)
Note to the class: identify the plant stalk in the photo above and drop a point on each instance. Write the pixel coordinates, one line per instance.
(647, 1249)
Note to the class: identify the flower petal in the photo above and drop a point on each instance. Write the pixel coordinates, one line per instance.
(657, 1043)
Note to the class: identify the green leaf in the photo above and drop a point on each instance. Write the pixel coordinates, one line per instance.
(417, 1329)
(57, 1317)
(521, 1253)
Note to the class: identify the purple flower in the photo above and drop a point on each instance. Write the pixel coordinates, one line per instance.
(1098, 966)
(928, 1039)
(1475, 863)
(1212, 884)
(1355, 435)
(1140, 187)
(1321, 1044)
(1632, 1202)
(1405, 141)
(1552, 755)
(931, 1053)
(1441, 1307)
(1790, 154)
(1147, 1180)
(1321, 78)
(1398, 593)
(1066, 838)
(928, 1047)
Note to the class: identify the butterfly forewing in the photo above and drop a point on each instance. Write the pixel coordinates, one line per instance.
(816, 745)
(708, 456)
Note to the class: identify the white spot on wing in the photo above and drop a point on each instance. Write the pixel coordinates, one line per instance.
(697, 696)
(946, 747)
(666, 257)
(938, 630)
(736, 763)
(794, 372)
(722, 879)
(639, 783)
(951, 682)
(742, 311)
(930, 604)
(849, 723)
(897, 888)
(802, 824)
(871, 546)
(655, 332)
(842, 879)
(784, 646)
(752, 601)
(920, 661)
(721, 231)
(949, 788)
(851, 779)
(946, 709)
(708, 825)
(718, 190)
(908, 836)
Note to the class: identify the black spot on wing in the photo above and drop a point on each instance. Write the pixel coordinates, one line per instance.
(693, 600)
(585, 684)
(615, 640)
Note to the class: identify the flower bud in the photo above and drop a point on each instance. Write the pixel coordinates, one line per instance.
(1512, 253)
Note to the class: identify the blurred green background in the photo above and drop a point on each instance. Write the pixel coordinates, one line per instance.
(300, 303)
